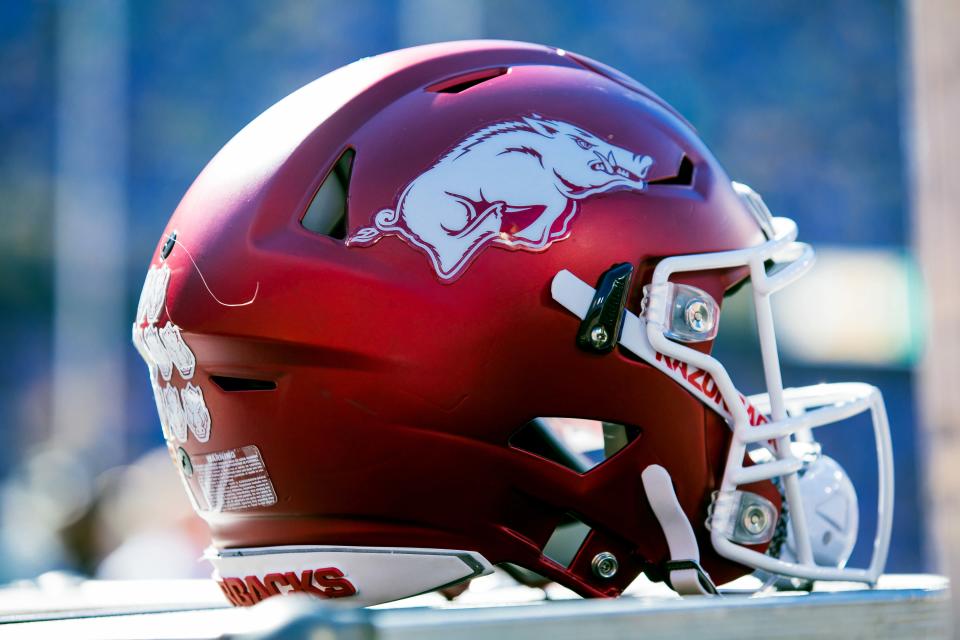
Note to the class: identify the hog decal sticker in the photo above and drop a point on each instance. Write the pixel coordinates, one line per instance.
(515, 184)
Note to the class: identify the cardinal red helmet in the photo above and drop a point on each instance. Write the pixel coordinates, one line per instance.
(386, 318)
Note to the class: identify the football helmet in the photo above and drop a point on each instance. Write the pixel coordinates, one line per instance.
(386, 318)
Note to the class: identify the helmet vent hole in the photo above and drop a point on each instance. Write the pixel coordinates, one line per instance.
(231, 384)
(461, 83)
(327, 213)
(683, 178)
(576, 443)
(566, 540)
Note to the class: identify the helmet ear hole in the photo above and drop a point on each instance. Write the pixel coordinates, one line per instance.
(576, 443)
(327, 213)
(566, 540)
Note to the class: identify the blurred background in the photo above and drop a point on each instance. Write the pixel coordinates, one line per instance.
(109, 109)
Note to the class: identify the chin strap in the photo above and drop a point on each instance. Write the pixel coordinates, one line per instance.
(683, 572)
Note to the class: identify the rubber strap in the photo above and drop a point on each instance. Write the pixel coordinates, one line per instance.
(688, 578)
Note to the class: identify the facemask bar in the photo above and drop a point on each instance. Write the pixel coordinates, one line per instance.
(829, 403)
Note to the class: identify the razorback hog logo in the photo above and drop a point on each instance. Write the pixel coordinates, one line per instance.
(515, 184)
(322, 583)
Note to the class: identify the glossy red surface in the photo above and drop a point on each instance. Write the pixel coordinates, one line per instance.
(397, 394)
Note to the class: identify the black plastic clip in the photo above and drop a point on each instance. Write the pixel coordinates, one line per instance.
(678, 565)
(600, 330)
(168, 245)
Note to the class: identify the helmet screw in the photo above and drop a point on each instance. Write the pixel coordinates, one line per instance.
(699, 316)
(755, 519)
(599, 336)
(604, 565)
(184, 459)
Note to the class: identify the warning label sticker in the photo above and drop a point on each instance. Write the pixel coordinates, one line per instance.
(231, 480)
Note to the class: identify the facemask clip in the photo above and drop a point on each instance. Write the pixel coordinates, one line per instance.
(684, 312)
(600, 330)
(742, 517)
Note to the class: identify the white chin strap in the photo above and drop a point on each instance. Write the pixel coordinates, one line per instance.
(832, 513)
(685, 574)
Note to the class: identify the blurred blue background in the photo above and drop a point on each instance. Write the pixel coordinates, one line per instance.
(108, 110)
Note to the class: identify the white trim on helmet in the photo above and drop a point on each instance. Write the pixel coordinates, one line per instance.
(357, 576)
